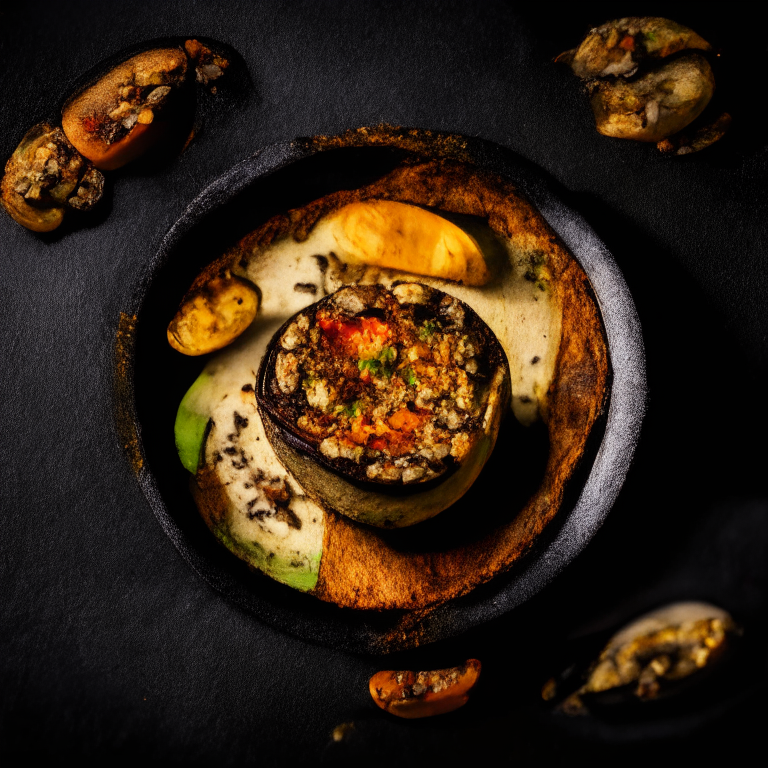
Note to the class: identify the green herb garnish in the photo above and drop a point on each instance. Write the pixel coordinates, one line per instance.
(409, 375)
(381, 365)
(350, 409)
(374, 366)
(386, 356)
(427, 330)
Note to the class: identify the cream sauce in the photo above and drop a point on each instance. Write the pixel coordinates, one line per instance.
(518, 305)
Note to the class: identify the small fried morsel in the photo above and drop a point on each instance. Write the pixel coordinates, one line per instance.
(44, 176)
(392, 235)
(687, 143)
(113, 121)
(656, 104)
(652, 653)
(209, 66)
(213, 316)
(618, 47)
(424, 694)
(342, 731)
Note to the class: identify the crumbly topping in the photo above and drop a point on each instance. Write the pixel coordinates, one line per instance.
(50, 171)
(137, 99)
(209, 66)
(392, 380)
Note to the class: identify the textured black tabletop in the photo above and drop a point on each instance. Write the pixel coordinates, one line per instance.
(112, 649)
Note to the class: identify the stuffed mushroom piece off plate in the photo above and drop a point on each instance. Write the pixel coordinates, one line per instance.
(483, 555)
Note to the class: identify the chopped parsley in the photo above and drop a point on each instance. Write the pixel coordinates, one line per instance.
(387, 355)
(409, 375)
(651, 36)
(350, 409)
(373, 366)
(427, 330)
(381, 365)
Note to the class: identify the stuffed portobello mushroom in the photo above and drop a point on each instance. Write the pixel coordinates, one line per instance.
(386, 390)
(397, 324)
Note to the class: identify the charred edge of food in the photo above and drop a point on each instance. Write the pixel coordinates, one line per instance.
(209, 66)
(384, 387)
(689, 141)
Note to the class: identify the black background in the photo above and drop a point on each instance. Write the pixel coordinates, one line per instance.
(113, 649)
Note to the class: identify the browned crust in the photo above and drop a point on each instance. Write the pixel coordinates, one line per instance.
(360, 568)
(125, 423)
(211, 499)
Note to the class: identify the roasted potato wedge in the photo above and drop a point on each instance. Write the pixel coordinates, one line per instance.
(392, 235)
(213, 316)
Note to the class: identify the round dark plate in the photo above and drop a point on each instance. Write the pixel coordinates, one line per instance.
(151, 380)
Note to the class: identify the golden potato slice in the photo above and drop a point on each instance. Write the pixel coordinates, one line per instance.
(392, 235)
(424, 694)
(213, 316)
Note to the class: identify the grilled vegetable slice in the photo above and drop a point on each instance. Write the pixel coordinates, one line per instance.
(264, 518)
(388, 390)
(114, 120)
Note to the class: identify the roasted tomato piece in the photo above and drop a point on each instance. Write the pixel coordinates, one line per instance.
(424, 694)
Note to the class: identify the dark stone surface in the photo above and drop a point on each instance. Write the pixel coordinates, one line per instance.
(111, 648)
